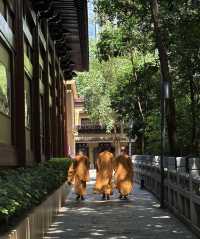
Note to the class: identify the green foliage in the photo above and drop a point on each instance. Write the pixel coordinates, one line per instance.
(179, 23)
(127, 79)
(111, 43)
(93, 86)
(24, 188)
(99, 86)
(119, 80)
(92, 50)
(128, 32)
(152, 133)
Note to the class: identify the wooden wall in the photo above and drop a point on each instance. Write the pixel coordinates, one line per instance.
(33, 129)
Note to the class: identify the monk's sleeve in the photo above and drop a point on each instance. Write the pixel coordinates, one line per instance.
(70, 175)
(98, 164)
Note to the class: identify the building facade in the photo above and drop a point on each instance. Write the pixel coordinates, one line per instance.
(41, 43)
(92, 138)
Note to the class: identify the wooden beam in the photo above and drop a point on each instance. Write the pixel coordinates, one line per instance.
(54, 118)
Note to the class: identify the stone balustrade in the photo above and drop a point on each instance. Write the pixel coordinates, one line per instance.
(181, 184)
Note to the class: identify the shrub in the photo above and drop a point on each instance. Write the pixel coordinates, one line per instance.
(23, 188)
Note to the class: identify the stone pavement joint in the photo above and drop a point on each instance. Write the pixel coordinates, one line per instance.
(138, 218)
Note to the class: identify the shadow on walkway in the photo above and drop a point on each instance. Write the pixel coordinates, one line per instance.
(138, 218)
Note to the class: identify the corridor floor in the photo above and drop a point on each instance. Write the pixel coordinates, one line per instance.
(138, 218)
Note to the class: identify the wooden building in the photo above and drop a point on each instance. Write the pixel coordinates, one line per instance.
(41, 43)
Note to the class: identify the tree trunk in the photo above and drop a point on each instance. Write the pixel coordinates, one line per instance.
(164, 64)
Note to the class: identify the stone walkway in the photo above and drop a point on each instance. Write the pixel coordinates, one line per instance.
(138, 218)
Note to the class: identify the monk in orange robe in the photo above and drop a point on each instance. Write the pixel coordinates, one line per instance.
(104, 174)
(78, 174)
(123, 175)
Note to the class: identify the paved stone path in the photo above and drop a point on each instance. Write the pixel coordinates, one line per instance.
(138, 218)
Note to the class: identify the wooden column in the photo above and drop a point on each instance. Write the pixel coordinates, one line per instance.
(54, 118)
(62, 112)
(59, 113)
(19, 106)
(57, 110)
(65, 126)
(46, 94)
(36, 95)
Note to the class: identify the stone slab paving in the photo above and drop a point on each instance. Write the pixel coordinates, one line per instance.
(138, 218)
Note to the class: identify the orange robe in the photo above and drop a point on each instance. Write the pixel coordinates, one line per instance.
(78, 174)
(104, 173)
(123, 168)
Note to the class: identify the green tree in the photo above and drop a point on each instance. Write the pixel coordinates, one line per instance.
(175, 34)
(139, 39)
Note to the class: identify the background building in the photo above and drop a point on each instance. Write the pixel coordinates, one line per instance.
(92, 138)
(41, 43)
